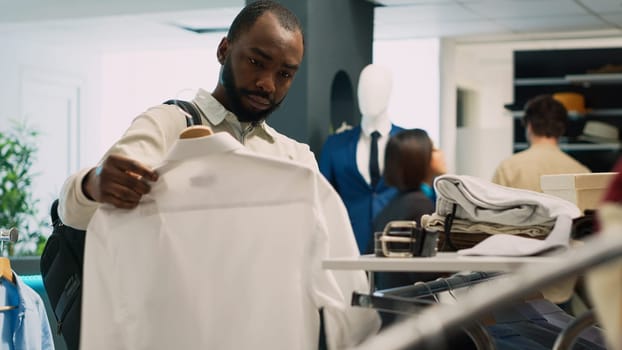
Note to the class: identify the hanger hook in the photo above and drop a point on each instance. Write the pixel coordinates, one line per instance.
(449, 287)
(429, 290)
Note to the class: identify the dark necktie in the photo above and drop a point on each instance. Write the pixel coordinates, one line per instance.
(374, 169)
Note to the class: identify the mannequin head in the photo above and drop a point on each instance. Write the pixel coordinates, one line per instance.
(374, 91)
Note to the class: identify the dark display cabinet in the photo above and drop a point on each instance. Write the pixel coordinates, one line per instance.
(596, 74)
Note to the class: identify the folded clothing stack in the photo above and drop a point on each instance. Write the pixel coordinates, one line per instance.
(470, 205)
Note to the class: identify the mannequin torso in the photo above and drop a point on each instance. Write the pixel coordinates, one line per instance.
(345, 157)
(374, 92)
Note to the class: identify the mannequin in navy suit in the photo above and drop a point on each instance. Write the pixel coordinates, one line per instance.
(345, 156)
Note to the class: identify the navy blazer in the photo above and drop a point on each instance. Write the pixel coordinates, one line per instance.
(338, 165)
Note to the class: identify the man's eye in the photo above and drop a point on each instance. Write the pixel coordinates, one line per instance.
(286, 75)
(253, 61)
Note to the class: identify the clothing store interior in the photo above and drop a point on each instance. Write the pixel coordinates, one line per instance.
(311, 174)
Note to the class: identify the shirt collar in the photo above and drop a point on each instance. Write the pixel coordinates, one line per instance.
(216, 113)
(543, 146)
(220, 142)
(382, 125)
(211, 108)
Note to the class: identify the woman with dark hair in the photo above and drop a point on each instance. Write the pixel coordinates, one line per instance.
(407, 164)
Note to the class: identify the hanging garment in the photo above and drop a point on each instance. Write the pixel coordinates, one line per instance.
(605, 282)
(224, 253)
(538, 321)
(24, 323)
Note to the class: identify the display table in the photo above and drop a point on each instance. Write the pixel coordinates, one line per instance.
(442, 262)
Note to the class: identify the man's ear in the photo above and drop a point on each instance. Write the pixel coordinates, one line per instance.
(221, 52)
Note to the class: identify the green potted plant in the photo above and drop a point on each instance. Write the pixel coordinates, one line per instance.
(17, 203)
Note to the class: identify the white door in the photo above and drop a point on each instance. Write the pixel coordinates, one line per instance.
(50, 104)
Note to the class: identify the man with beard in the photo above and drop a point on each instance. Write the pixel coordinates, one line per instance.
(260, 56)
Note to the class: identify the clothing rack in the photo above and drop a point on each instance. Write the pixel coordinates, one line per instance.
(409, 299)
(439, 320)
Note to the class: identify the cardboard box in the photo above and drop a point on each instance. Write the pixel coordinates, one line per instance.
(584, 190)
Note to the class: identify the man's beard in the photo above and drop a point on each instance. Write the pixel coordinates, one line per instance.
(235, 97)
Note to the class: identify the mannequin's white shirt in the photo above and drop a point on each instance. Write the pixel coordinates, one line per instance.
(368, 125)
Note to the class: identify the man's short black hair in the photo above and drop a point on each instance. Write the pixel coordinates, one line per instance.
(547, 116)
(249, 14)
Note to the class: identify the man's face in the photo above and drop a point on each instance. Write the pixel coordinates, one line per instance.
(237, 95)
(259, 67)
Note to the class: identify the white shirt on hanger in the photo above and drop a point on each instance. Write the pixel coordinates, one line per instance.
(224, 253)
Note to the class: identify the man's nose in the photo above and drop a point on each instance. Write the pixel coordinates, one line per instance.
(265, 82)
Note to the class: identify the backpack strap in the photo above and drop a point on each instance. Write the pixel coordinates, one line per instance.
(54, 213)
(190, 111)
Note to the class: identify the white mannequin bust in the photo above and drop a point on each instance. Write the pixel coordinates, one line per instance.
(374, 92)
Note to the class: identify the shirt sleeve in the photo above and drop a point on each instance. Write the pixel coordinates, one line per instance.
(355, 324)
(146, 140)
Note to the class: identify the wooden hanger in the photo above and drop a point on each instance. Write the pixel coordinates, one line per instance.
(195, 131)
(5, 270)
(7, 235)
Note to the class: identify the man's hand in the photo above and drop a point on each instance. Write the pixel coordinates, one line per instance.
(119, 181)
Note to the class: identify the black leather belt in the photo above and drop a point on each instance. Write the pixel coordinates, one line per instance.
(403, 239)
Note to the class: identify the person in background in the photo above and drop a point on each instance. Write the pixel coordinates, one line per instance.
(352, 160)
(260, 57)
(407, 163)
(545, 122)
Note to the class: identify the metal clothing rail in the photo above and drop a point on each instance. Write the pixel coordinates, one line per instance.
(408, 299)
(439, 320)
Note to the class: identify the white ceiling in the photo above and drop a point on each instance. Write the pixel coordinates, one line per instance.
(459, 18)
(127, 23)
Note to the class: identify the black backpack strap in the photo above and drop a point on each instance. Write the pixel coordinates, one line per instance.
(54, 213)
(192, 113)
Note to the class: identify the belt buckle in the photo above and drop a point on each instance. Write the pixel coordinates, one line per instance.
(403, 239)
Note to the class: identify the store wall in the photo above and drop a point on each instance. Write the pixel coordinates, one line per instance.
(338, 38)
(55, 90)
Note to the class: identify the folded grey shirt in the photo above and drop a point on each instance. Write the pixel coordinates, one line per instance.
(479, 200)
